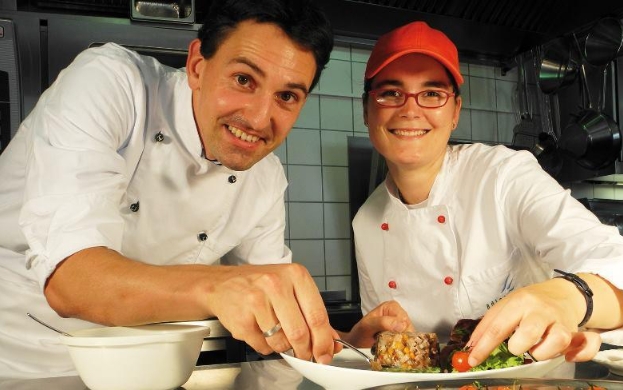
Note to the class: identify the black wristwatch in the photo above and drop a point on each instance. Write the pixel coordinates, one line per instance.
(584, 289)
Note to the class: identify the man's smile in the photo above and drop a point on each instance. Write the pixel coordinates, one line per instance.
(238, 133)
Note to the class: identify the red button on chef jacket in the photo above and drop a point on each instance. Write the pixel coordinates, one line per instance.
(441, 219)
(385, 226)
(391, 284)
(448, 280)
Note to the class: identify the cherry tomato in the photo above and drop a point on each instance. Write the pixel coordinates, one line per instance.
(459, 361)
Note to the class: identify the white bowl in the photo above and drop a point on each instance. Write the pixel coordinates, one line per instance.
(148, 357)
(611, 358)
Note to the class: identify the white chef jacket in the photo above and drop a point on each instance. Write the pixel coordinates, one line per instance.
(111, 156)
(494, 221)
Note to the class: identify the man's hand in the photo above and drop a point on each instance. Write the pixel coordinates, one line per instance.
(388, 316)
(250, 300)
(247, 299)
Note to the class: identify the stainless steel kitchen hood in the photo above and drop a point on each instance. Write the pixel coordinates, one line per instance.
(483, 30)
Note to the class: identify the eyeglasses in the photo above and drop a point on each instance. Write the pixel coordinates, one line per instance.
(429, 98)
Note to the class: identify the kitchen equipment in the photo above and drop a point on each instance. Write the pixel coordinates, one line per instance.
(525, 132)
(546, 152)
(558, 67)
(149, 357)
(603, 42)
(48, 326)
(10, 83)
(178, 11)
(593, 139)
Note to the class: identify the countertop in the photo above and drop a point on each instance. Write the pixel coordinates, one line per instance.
(272, 374)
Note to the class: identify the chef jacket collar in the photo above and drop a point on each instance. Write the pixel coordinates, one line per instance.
(184, 119)
(439, 186)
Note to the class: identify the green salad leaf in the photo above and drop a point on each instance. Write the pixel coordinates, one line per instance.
(501, 357)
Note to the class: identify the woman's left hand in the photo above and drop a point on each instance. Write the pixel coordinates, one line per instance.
(388, 315)
(541, 319)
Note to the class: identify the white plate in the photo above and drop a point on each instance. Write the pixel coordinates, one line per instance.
(611, 358)
(349, 371)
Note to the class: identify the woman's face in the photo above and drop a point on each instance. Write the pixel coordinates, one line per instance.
(410, 136)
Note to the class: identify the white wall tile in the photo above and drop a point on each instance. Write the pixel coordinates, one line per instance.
(321, 282)
(335, 184)
(482, 93)
(337, 220)
(281, 152)
(310, 114)
(334, 147)
(340, 52)
(464, 69)
(336, 78)
(506, 123)
(304, 147)
(336, 113)
(463, 130)
(338, 257)
(358, 123)
(309, 253)
(338, 283)
(465, 92)
(358, 74)
(305, 183)
(504, 91)
(509, 75)
(360, 54)
(481, 71)
(306, 220)
(484, 126)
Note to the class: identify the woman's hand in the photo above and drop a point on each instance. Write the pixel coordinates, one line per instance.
(540, 318)
(386, 316)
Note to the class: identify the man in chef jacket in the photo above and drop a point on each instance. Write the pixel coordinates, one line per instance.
(136, 193)
(471, 230)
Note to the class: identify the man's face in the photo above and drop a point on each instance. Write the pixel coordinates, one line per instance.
(247, 97)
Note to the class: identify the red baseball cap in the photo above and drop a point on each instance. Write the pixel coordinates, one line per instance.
(415, 37)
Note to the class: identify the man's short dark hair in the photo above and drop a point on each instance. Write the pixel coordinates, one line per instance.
(302, 20)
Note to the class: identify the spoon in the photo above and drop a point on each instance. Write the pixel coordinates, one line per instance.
(349, 345)
(48, 326)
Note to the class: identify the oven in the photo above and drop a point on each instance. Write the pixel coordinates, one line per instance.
(39, 45)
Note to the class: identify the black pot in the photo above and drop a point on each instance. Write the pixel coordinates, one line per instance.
(546, 153)
(593, 140)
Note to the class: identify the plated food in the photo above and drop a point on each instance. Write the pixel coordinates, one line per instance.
(420, 352)
(411, 357)
(348, 370)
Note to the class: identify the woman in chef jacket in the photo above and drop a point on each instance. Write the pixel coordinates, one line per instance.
(470, 230)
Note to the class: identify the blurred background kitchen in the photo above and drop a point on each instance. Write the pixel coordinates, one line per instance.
(540, 75)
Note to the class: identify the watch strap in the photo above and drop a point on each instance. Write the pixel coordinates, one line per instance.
(584, 289)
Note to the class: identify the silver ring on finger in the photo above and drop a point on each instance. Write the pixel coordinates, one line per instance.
(272, 330)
